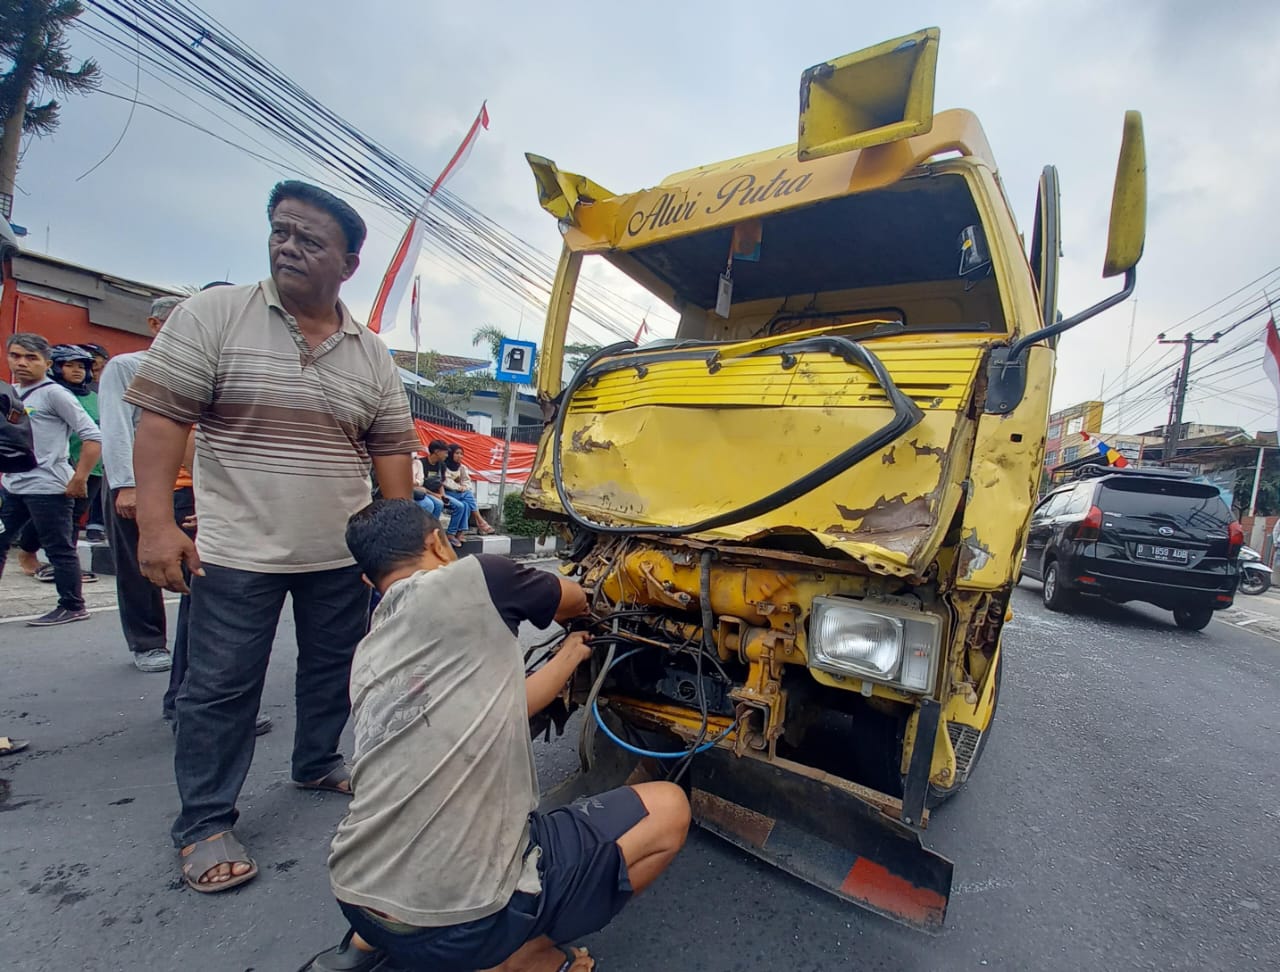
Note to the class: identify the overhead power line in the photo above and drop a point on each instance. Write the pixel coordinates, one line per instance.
(178, 43)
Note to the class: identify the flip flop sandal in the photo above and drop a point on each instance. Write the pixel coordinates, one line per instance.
(208, 854)
(9, 747)
(44, 574)
(347, 958)
(339, 774)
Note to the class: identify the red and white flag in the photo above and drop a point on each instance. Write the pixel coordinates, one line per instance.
(396, 280)
(415, 317)
(641, 331)
(1271, 361)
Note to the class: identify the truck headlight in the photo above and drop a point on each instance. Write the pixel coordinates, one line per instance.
(881, 642)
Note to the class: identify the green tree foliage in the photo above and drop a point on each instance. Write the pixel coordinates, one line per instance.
(450, 389)
(576, 354)
(516, 521)
(38, 69)
(1268, 489)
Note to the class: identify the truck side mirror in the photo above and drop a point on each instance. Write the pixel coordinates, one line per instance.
(1128, 229)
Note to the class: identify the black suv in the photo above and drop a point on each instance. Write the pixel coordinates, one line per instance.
(1136, 535)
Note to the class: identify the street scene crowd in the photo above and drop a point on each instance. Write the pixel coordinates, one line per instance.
(263, 448)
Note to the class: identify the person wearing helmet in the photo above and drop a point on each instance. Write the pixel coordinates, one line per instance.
(100, 357)
(71, 368)
(95, 530)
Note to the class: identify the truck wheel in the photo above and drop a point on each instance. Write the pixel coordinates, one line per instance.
(1192, 619)
(937, 795)
(1056, 596)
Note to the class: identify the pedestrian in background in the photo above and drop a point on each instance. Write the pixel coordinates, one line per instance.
(458, 487)
(100, 358)
(16, 455)
(95, 530)
(292, 399)
(46, 494)
(142, 611)
(70, 367)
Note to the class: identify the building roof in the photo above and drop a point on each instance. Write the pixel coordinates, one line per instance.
(110, 300)
(447, 363)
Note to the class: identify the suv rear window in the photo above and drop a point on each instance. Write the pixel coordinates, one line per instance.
(1192, 506)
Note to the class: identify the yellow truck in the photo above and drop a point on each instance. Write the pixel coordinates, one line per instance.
(800, 520)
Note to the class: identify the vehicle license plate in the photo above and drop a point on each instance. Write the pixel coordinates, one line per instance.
(1167, 555)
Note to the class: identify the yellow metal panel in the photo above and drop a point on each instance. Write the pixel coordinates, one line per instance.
(559, 193)
(934, 378)
(758, 185)
(552, 351)
(877, 95)
(667, 464)
(1008, 452)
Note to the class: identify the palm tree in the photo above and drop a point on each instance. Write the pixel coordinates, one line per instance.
(493, 336)
(33, 39)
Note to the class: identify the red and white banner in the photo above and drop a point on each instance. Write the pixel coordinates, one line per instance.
(1271, 362)
(482, 454)
(396, 280)
(415, 318)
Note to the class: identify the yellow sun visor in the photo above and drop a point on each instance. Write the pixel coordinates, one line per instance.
(878, 95)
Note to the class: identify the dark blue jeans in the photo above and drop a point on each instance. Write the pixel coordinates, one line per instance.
(50, 514)
(184, 505)
(232, 624)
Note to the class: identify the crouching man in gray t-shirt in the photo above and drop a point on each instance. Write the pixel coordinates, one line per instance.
(443, 861)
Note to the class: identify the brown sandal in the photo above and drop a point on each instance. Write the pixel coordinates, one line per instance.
(208, 854)
(332, 782)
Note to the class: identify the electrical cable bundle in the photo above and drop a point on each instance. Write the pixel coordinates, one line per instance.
(178, 43)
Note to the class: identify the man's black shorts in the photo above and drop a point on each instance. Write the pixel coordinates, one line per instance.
(584, 885)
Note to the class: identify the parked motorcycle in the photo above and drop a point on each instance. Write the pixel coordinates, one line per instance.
(1255, 576)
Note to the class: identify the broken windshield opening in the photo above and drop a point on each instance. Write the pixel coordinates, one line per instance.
(870, 264)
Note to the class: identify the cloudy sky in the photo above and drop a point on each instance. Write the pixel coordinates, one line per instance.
(628, 93)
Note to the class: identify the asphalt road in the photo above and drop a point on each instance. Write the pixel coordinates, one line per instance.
(1124, 817)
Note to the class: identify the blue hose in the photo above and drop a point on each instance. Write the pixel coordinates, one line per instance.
(652, 754)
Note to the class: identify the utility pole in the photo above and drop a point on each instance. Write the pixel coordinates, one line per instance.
(1257, 483)
(1173, 430)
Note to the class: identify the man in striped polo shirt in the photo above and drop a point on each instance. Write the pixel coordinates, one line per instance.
(292, 400)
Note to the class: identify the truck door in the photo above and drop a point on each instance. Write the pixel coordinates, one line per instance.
(1046, 245)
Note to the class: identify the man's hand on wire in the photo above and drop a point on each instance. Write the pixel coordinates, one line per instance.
(576, 647)
(547, 682)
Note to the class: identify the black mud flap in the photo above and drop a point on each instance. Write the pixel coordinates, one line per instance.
(823, 835)
(813, 830)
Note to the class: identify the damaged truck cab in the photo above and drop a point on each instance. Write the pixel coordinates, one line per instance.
(800, 520)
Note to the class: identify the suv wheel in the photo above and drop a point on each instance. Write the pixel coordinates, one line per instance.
(1056, 597)
(1193, 619)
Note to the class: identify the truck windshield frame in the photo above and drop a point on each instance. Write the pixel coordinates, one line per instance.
(874, 264)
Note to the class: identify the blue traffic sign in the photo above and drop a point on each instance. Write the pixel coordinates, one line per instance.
(515, 361)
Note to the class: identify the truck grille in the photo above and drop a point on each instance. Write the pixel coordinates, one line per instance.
(964, 740)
